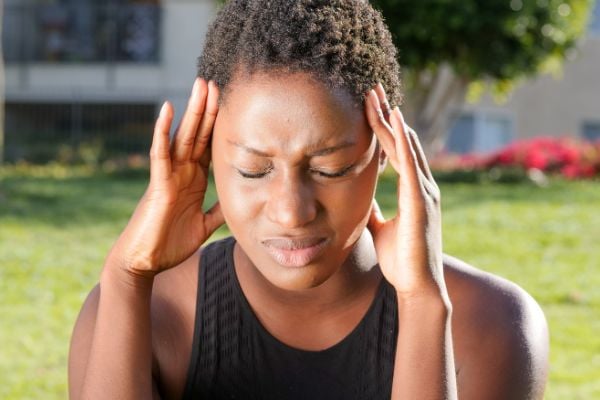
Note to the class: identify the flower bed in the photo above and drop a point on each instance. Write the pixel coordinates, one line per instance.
(531, 158)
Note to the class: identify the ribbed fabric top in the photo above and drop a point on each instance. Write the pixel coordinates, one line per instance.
(235, 357)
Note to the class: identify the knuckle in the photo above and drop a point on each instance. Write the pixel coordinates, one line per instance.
(212, 114)
(188, 140)
(202, 140)
(153, 153)
(380, 116)
(194, 112)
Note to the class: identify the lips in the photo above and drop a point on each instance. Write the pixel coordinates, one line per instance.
(294, 252)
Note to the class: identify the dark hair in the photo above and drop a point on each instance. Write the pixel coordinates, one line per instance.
(342, 43)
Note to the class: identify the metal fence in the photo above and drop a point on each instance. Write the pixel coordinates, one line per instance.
(76, 132)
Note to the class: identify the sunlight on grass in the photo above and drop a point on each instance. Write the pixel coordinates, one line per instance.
(56, 228)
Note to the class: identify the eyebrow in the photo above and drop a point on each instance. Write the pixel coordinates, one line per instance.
(315, 153)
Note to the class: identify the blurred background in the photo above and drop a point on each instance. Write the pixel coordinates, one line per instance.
(505, 95)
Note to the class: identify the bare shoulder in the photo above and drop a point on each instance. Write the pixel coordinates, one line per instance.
(173, 308)
(500, 335)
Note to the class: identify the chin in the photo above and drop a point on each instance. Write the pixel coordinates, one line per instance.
(297, 279)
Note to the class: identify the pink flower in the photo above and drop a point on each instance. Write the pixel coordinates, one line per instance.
(572, 158)
(570, 171)
(537, 159)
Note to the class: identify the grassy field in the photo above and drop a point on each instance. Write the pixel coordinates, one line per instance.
(57, 224)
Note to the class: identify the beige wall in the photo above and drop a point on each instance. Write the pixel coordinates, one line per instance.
(556, 106)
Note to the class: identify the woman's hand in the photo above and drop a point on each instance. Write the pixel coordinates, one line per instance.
(168, 224)
(409, 246)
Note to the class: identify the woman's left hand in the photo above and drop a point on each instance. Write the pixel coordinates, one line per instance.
(409, 246)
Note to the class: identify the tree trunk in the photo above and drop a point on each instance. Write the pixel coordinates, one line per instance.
(432, 101)
(1, 88)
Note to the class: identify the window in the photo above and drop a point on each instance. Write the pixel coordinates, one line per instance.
(595, 19)
(82, 31)
(591, 131)
(479, 133)
(462, 135)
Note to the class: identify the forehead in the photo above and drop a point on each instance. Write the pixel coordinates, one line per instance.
(292, 108)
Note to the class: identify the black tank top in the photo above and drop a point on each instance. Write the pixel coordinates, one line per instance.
(235, 357)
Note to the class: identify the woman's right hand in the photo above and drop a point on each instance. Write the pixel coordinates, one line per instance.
(168, 224)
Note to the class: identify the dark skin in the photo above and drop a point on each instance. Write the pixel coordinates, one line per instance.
(466, 334)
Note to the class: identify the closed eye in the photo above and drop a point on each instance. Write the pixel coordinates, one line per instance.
(320, 173)
(338, 174)
(254, 175)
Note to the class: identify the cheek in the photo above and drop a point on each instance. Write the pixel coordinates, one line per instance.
(238, 204)
(350, 204)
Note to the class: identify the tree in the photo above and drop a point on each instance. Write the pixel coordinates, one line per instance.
(1, 88)
(446, 45)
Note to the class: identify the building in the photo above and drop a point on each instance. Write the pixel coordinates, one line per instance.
(567, 105)
(96, 71)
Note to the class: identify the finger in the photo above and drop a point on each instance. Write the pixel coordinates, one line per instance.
(421, 159)
(205, 158)
(208, 121)
(376, 219)
(185, 136)
(406, 154)
(380, 126)
(213, 219)
(385, 105)
(160, 158)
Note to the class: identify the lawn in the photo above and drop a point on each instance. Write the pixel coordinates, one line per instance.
(57, 224)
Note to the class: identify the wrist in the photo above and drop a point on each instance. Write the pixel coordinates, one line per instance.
(132, 261)
(424, 304)
(118, 274)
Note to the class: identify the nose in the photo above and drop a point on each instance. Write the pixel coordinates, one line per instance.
(292, 203)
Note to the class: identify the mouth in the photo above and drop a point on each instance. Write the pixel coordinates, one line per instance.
(294, 252)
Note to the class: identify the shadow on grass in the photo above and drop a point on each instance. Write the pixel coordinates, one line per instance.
(461, 195)
(63, 202)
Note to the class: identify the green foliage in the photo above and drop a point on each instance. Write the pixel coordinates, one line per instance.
(57, 224)
(496, 175)
(498, 39)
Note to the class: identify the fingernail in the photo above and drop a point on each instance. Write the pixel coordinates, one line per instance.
(212, 85)
(195, 88)
(374, 99)
(163, 110)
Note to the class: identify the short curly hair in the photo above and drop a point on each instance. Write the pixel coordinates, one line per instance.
(342, 43)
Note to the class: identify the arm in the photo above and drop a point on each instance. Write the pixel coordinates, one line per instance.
(129, 358)
(409, 249)
(111, 348)
(503, 344)
(424, 363)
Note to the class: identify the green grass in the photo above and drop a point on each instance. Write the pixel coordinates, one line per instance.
(56, 226)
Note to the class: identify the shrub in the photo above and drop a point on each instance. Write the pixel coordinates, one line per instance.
(566, 157)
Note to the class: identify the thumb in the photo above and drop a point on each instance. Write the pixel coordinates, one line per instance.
(376, 219)
(212, 219)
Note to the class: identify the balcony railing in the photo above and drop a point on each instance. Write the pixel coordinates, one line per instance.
(81, 32)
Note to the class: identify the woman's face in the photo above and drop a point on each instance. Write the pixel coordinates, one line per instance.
(295, 167)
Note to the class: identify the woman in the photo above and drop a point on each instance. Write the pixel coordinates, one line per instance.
(316, 295)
